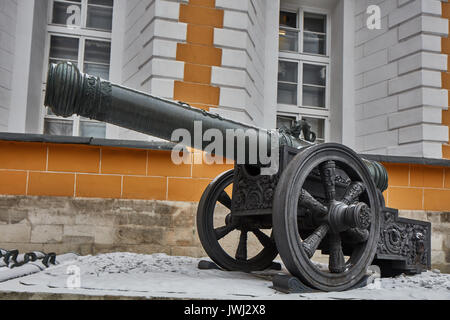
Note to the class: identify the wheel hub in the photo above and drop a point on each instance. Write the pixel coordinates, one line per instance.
(342, 217)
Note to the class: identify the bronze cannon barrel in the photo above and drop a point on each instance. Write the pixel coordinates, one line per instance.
(69, 92)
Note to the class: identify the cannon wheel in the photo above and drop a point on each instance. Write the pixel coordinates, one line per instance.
(210, 236)
(292, 195)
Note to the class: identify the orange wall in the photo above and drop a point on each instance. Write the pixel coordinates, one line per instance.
(44, 169)
(199, 54)
(418, 187)
(41, 169)
(446, 78)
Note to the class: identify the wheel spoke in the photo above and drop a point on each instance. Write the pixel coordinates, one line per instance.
(241, 252)
(336, 262)
(311, 243)
(225, 199)
(264, 239)
(311, 203)
(328, 175)
(223, 231)
(354, 190)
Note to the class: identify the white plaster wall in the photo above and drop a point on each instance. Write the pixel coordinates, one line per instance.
(26, 93)
(398, 95)
(8, 18)
(272, 17)
(117, 52)
(151, 34)
(244, 59)
(33, 122)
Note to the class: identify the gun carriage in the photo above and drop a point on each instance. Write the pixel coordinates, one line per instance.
(323, 198)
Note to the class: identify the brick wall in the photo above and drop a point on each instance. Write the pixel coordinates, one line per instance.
(199, 54)
(40, 169)
(418, 187)
(46, 169)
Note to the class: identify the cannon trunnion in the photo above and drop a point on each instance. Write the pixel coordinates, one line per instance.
(323, 212)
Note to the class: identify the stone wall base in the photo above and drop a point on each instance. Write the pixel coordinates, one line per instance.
(93, 226)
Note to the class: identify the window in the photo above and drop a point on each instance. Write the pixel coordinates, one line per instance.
(91, 14)
(288, 31)
(85, 47)
(303, 68)
(99, 14)
(314, 34)
(287, 82)
(314, 85)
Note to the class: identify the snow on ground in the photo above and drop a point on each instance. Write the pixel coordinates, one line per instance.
(163, 276)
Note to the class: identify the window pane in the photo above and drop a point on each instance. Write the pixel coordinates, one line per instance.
(58, 127)
(288, 40)
(287, 71)
(108, 3)
(92, 129)
(288, 19)
(64, 48)
(99, 18)
(285, 122)
(98, 70)
(314, 74)
(97, 51)
(317, 126)
(313, 96)
(314, 43)
(315, 22)
(67, 13)
(287, 93)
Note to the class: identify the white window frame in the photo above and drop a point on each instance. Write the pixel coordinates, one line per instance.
(82, 35)
(301, 58)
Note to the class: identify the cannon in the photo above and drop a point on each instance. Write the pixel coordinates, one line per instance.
(323, 200)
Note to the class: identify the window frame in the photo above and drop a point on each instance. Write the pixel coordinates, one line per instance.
(300, 110)
(82, 34)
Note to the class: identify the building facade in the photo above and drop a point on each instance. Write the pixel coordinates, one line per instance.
(370, 74)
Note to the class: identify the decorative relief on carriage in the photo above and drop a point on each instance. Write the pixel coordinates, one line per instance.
(407, 240)
(252, 192)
